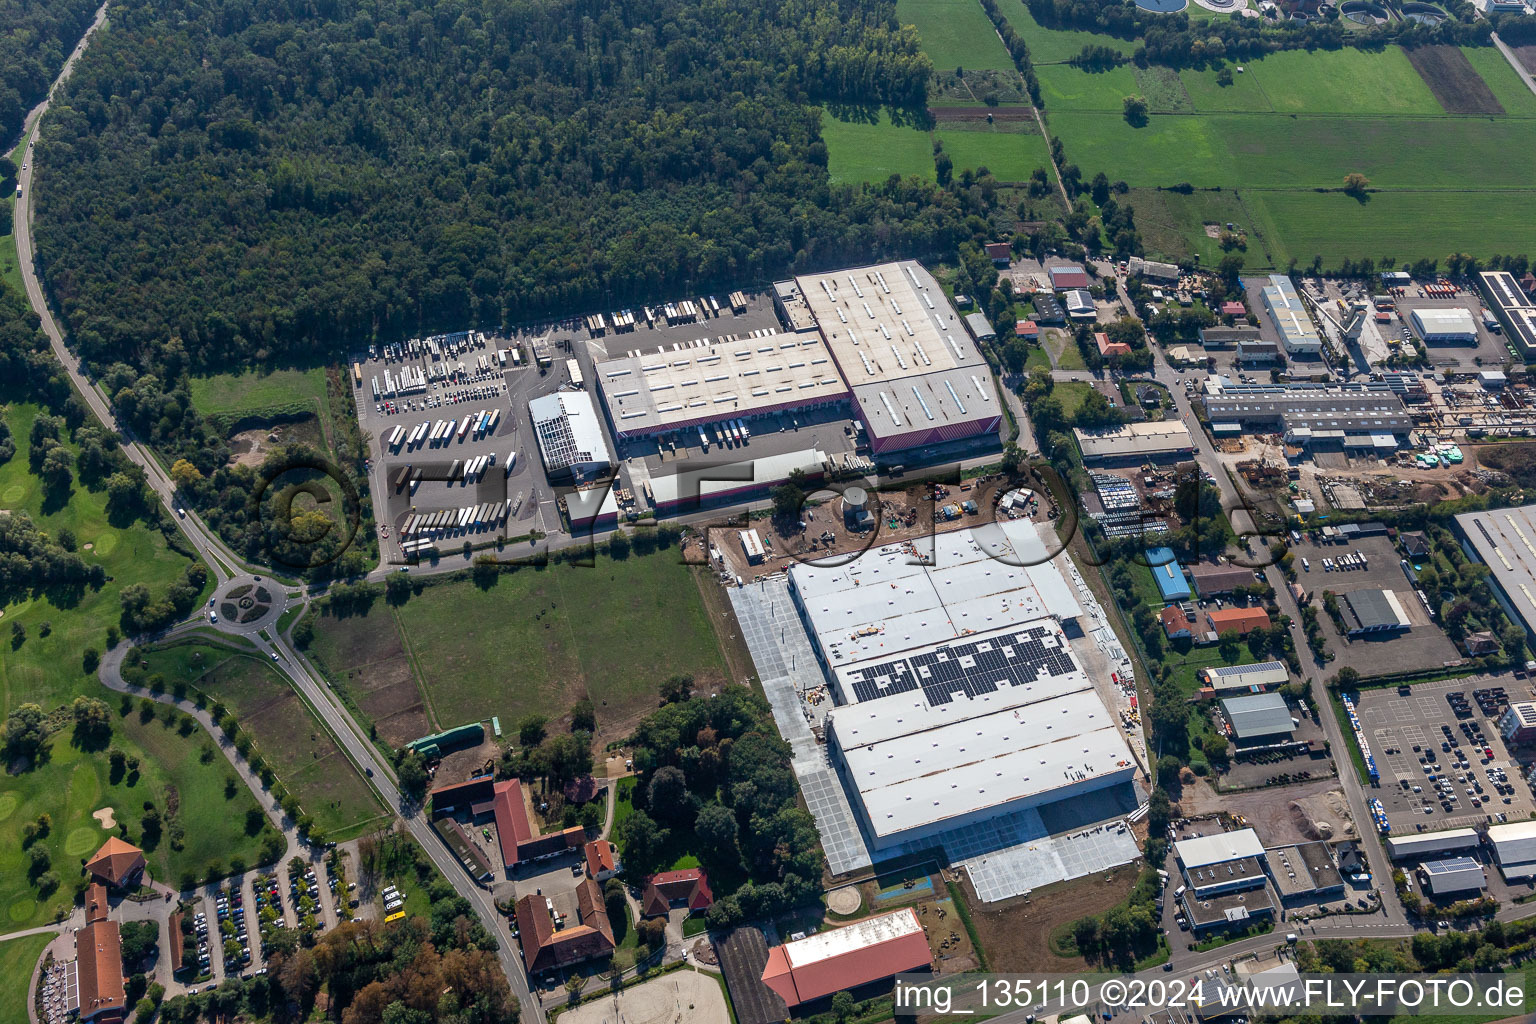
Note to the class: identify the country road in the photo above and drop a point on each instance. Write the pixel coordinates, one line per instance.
(227, 566)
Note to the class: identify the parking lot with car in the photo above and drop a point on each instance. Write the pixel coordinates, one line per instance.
(1442, 762)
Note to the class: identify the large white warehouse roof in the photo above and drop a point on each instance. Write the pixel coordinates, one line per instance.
(898, 597)
(1514, 847)
(1424, 844)
(1204, 851)
(1444, 323)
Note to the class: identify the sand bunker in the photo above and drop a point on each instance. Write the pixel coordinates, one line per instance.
(104, 818)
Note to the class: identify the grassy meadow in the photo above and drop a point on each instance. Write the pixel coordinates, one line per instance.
(47, 670)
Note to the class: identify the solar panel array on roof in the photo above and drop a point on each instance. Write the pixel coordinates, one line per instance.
(966, 669)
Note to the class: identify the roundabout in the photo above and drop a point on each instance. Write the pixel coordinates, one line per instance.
(247, 604)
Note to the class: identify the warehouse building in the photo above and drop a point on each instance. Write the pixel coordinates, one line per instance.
(1163, 273)
(848, 958)
(1430, 845)
(887, 601)
(1373, 611)
(1304, 872)
(952, 734)
(1518, 723)
(1253, 678)
(1261, 718)
(1166, 573)
(1454, 876)
(1290, 317)
(1514, 309)
(915, 377)
(570, 434)
(1357, 416)
(1068, 276)
(1504, 539)
(1444, 326)
(1135, 443)
(689, 386)
(1218, 849)
(1218, 336)
(1211, 579)
(1514, 848)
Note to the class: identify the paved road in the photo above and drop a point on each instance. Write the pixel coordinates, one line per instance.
(1514, 61)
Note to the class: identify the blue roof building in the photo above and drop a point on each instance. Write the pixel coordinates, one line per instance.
(1171, 582)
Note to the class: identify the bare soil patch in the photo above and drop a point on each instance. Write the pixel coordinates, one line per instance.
(1453, 80)
(1016, 933)
(1280, 814)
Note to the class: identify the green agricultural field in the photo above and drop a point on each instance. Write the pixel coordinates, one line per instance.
(1429, 223)
(47, 670)
(1053, 46)
(71, 784)
(1172, 225)
(1346, 81)
(1163, 90)
(1508, 89)
(1259, 150)
(539, 639)
(1010, 156)
(1063, 87)
(18, 957)
(955, 34)
(859, 151)
(1245, 94)
(302, 753)
(252, 394)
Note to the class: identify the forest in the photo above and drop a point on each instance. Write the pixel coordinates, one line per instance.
(34, 40)
(236, 183)
(716, 783)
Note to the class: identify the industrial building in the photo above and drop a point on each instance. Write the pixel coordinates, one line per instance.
(1220, 848)
(1504, 539)
(848, 958)
(1154, 441)
(1226, 910)
(1304, 871)
(1290, 317)
(1261, 718)
(889, 600)
(570, 434)
(1166, 273)
(1430, 844)
(1518, 723)
(1373, 611)
(1069, 275)
(709, 381)
(1514, 848)
(1211, 579)
(915, 377)
(1514, 309)
(1444, 326)
(952, 733)
(1357, 416)
(1217, 336)
(1166, 573)
(1254, 678)
(1454, 876)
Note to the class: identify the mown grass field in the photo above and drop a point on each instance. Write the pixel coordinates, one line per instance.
(10, 260)
(1511, 92)
(71, 783)
(1262, 150)
(1346, 81)
(540, 639)
(1052, 46)
(1010, 156)
(47, 670)
(300, 750)
(18, 957)
(955, 34)
(255, 394)
(858, 151)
